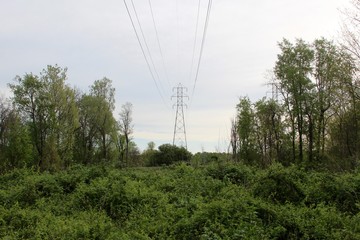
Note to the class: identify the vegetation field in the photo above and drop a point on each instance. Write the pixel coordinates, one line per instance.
(290, 169)
(215, 201)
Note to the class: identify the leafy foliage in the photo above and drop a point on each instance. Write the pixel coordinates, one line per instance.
(216, 201)
(169, 154)
(313, 117)
(279, 186)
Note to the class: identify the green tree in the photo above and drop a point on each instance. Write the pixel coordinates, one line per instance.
(269, 130)
(169, 154)
(234, 138)
(344, 133)
(62, 113)
(96, 135)
(151, 146)
(318, 88)
(245, 128)
(15, 143)
(103, 91)
(27, 98)
(350, 30)
(86, 135)
(48, 106)
(333, 69)
(126, 127)
(147, 154)
(293, 70)
(134, 155)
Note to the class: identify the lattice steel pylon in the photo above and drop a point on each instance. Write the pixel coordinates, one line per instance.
(179, 138)
(274, 91)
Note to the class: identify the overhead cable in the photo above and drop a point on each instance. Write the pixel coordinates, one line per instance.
(146, 45)
(202, 44)
(195, 40)
(159, 45)
(143, 52)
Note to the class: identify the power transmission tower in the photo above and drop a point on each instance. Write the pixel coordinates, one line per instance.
(274, 91)
(179, 138)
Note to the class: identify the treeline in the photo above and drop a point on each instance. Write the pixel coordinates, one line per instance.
(49, 125)
(313, 117)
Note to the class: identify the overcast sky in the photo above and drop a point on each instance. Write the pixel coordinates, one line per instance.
(95, 39)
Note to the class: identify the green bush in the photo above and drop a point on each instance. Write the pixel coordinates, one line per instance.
(103, 194)
(237, 174)
(169, 154)
(76, 174)
(278, 186)
(222, 219)
(220, 201)
(341, 191)
(27, 223)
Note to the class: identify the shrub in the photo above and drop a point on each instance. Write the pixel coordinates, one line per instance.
(179, 202)
(222, 219)
(76, 174)
(103, 194)
(169, 154)
(278, 186)
(237, 174)
(339, 191)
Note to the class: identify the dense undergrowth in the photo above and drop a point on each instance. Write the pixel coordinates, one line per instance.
(218, 201)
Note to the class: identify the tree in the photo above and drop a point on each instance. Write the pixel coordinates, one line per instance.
(350, 30)
(147, 154)
(103, 89)
(104, 95)
(351, 43)
(126, 127)
(317, 86)
(333, 70)
(134, 155)
(344, 133)
(96, 135)
(48, 106)
(62, 114)
(293, 70)
(151, 146)
(27, 100)
(234, 139)
(268, 130)
(87, 134)
(245, 128)
(15, 143)
(258, 135)
(169, 154)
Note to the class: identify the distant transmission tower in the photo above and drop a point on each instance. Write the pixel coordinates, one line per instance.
(179, 138)
(274, 91)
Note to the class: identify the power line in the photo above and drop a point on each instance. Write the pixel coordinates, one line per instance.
(146, 50)
(146, 45)
(195, 40)
(202, 45)
(158, 42)
(143, 52)
(177, 38)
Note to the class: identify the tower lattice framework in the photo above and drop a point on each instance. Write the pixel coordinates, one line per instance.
(179, 138)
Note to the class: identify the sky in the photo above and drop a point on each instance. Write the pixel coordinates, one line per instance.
(95, 39)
